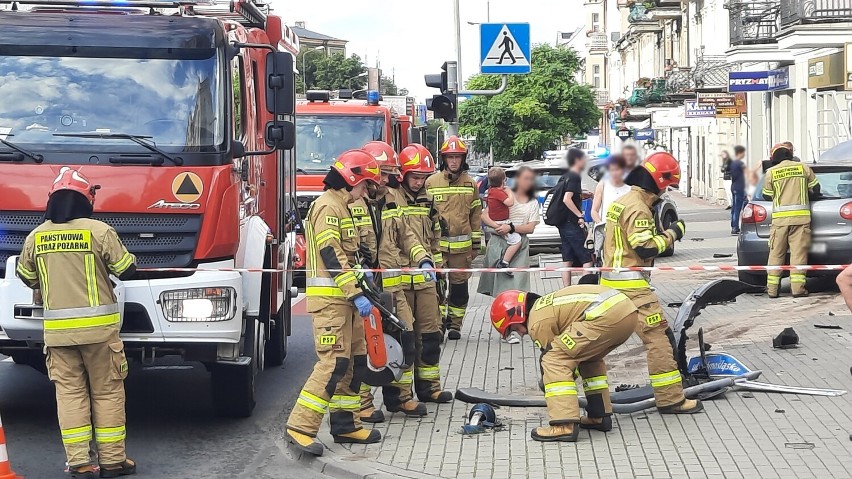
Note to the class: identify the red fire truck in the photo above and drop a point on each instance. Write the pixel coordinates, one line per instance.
(326, 128)
(183, 114)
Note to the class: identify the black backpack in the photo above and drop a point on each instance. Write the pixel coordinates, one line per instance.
(555, 211)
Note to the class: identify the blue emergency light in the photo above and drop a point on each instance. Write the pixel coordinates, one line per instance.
(373, 98)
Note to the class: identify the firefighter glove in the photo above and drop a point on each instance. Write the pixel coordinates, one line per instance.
(678, 229)
(364, 306)
(361, 273)
(428, 271)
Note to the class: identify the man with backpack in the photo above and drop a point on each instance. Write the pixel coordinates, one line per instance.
(565, 211)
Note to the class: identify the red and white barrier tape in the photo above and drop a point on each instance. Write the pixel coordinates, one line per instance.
(714, 268)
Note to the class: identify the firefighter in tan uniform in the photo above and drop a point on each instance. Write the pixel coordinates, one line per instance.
(789, 184)
(69, 258)
(338, 308)
(397, 247)
(632, 240)
(423, 220)
(575, 328)
(457, 201)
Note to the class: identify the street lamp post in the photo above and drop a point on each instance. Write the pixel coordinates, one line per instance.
(360, 75)
(305, 66)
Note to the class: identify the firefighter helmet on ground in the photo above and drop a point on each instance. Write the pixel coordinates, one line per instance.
(384, 155)
(73, 180)
(416, 158)
(508, 308)
(356, 166)
(664, 169)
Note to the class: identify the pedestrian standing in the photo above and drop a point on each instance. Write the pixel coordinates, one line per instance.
(456, 199)
(575, 328)
(572, 231)
(726, 178)
(631, 158)
(737, 170)
(789, 184)
(499, 201)
(69, 258)
(632, 240)
(337, 307)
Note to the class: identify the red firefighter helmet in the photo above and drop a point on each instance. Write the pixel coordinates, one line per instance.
(508, 308)
(453, 146)
(664, 168)
(416, 158)
(384, 155)
(73, 180)
(356, 166)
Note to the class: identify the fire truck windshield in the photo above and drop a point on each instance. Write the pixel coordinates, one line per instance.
(322, 138)
(176, 103)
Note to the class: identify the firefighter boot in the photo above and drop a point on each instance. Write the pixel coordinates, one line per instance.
(409, 408)
(773, 284)
(688, 406)
(440, 397)
(126, 468)
(361, 436)
(372, 416)
(82, 472)
(558, 433)
(603, 424)
(304, 443)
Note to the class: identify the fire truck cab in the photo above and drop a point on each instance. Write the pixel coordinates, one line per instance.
(183, 114)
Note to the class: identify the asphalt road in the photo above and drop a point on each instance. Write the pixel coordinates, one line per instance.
(172, 432)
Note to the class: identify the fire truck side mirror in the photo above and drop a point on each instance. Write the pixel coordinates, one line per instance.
(280, 83)
(281, 136)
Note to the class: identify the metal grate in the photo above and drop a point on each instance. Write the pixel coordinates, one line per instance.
(804, 11)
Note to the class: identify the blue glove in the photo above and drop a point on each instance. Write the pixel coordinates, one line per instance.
(365, 307)
(429, 274)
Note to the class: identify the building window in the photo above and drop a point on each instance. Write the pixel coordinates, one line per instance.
(596, 18)
(596, 76)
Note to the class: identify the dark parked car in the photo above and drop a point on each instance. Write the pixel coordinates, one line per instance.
(831, 223)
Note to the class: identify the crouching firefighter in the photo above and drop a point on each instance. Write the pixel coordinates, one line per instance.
(575, 328)
(422, 219)
(789, 184)
(632, 240)
(69, 258)
(457, 201)
(337, 306)
(397, 247)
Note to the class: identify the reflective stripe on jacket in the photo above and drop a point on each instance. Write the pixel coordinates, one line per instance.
(423, 221)
(460, 210)
(553, 313)
(70, 263)
(632, 238)
(788, 184)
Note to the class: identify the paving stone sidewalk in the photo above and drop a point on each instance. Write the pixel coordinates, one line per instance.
(739, 436)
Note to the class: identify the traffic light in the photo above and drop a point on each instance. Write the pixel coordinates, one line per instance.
(444, 105)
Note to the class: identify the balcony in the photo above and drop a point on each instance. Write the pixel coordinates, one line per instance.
(813, 11)
(753, 22)
(711, 72)
(649, 11)
(598, 43)
(814, 23)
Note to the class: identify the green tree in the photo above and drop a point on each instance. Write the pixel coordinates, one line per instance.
(330, 72)
(535, 111)
(389, 87)
(432, 128)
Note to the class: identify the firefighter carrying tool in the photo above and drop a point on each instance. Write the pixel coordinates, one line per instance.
(69, 258)
(457, 201)
(575, 328)
(790, 184)
(422, 296)
(632, 240)
(395, 241)
(337, 306)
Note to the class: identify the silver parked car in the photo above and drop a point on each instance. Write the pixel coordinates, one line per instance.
(831, 223)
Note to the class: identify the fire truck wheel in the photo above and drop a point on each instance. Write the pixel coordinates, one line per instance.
(276, 347)
(234, 385)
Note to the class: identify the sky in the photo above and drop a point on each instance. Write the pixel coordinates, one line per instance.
(413, 37)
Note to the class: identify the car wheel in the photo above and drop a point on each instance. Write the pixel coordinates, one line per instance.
(752, 278)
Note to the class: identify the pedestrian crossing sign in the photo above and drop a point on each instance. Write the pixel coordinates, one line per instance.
(505, 48)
